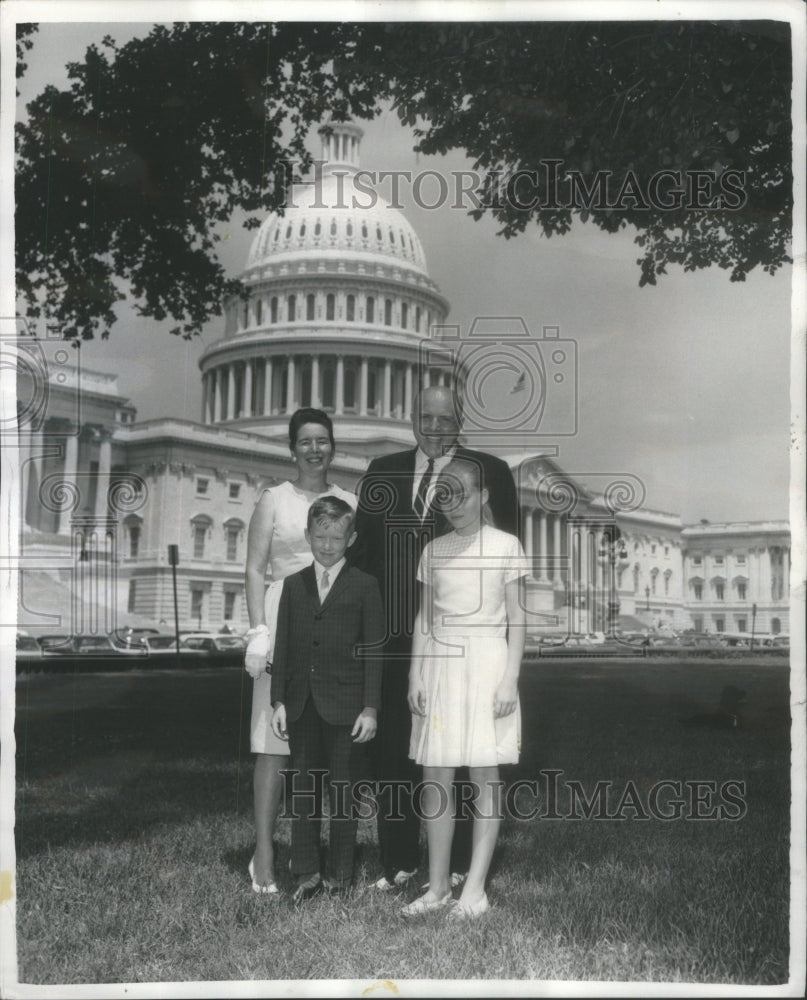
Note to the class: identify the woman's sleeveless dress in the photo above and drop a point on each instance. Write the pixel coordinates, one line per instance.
(288, 553)
(466, 651)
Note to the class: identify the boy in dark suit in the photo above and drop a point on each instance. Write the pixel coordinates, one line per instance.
(325, 692)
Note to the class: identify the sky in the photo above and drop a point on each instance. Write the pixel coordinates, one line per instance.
(684, 385)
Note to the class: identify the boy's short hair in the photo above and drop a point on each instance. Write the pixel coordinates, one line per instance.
(330, 509)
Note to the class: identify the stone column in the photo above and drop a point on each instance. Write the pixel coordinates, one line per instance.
(558, 549)
(340, 385)
(387, 405)
(363, 389)
(267, 387)
(529, 550)
(104, 467)
(230, 392)
(246, 402)
(70, 470)
(218, 413)
(35, 473)
(291, 386)
(543, 573)
(205, 395)
(316, 399)
(408, 391)
(24, 455)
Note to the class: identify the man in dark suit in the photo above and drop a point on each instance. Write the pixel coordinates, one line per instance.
(396, 518)
(325, 692)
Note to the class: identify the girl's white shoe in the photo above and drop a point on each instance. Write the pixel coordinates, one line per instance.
(469, 911)
(268, 890)
(422, 905)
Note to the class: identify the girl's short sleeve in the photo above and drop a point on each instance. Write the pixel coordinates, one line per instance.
(515, 562)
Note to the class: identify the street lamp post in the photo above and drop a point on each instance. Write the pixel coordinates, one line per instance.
(612, 551)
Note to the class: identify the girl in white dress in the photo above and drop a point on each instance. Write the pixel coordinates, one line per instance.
(466, 656)
(276, 539)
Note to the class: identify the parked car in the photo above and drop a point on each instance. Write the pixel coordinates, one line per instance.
(29, 653)
(164, 645)
(103, 645)
(219, 650)
(208, 643)
(56, 645)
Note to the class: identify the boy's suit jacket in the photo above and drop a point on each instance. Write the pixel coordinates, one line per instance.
(315, 646)
(391, 538)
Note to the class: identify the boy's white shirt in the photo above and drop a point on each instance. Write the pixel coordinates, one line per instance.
(333, 571)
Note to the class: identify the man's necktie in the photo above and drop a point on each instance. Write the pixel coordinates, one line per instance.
(420, 499)
(324, 584)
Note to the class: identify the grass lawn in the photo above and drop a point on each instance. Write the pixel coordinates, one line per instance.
(133, 828)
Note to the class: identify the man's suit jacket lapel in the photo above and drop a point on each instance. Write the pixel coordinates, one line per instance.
(404, 491)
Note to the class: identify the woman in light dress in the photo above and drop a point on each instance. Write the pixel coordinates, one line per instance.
(463, 695)
(276, 540)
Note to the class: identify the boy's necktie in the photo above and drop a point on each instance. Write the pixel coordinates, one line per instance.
(324, 584)
(420, 500)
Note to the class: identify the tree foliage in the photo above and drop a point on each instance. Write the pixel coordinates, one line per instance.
(123, 177)
(627, 98)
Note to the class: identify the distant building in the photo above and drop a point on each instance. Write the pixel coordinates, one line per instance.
(340, 306)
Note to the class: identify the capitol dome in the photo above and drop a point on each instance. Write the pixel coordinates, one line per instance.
(340, 305)
(338, 215)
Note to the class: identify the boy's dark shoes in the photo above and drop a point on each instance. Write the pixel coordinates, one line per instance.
(335, 888)
(307, 889)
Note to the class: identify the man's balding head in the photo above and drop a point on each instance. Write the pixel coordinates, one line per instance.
(436, 419)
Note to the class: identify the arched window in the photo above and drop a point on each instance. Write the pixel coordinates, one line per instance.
(351, 308)
(317, 228)
(388, 312)
(776, 626)
(302, 229)
(364, 230)
(378, 234)
(245, 315)
(200, 529)
(288, 231)
(292, 307)
(134, 527)
(653, 579)
(370, 313)
(309, 307)
(273, 309)
(233, 532)
(349, 228)
(333, 227)
(330, 306)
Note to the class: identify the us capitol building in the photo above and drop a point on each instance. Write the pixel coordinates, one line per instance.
(341, 314)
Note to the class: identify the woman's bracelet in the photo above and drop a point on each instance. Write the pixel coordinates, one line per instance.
(258, 630)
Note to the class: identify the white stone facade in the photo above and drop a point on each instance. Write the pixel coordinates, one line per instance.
(339, 308)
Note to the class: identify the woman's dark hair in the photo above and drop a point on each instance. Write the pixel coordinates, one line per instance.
(308, 415)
